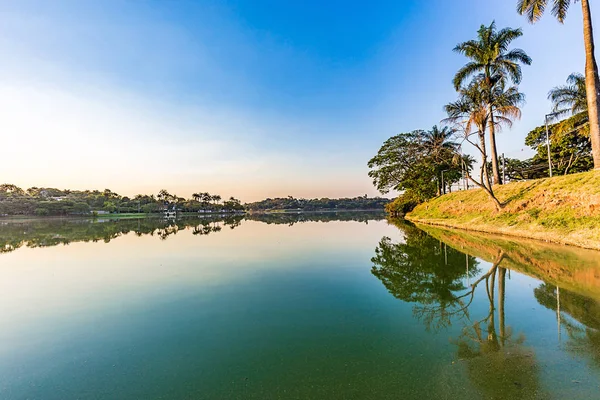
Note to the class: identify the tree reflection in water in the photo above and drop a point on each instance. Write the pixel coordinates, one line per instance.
(424, 271)
(578, 315)
(51, 232)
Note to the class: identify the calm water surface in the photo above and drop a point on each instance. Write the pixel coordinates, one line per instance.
(346, 306)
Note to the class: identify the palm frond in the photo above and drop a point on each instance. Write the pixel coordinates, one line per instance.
(533, 9)
(505, 36)
(466, 72)
(571, 96)
(560, 8)
(518, 55)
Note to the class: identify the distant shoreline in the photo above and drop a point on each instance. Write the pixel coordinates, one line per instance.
(25, 218)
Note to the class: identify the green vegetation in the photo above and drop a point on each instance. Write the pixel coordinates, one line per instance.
(291, 203)
(422, 164)
(55, 202)
(564, 209)
(42, 202)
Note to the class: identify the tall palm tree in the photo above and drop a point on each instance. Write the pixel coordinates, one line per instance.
(491, 60)
(534, 9)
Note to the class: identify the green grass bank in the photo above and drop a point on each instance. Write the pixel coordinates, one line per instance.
(562, 209)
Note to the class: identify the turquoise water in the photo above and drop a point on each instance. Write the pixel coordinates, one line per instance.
(342, 306)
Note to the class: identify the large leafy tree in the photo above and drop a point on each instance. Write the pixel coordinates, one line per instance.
(534, 9)
(414, 161)
(492, 62)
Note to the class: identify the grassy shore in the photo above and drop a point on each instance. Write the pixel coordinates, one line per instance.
(563, 209)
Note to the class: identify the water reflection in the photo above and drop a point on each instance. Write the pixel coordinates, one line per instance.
(578, 315)
(442, 272)
(15, 234)
(266, 311)
(425, 271)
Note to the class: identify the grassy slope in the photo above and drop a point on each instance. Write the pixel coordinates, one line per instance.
(563, 209)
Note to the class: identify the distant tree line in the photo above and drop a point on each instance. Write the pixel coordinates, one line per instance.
(52, 201)
(291, 203)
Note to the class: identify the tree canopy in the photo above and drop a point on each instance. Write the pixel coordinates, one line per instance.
(414, 162)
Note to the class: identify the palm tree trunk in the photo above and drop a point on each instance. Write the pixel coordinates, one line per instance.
(501, 295)
(493, 152)
(592, 82)
(485, 183)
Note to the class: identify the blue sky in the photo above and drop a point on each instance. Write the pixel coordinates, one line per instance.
(246, 98)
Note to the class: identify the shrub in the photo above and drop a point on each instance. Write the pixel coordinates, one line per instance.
(403, 204)
(41, 211)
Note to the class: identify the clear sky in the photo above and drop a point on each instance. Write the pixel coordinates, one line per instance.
(250, 98)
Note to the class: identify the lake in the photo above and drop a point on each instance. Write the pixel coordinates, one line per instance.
(284, 306)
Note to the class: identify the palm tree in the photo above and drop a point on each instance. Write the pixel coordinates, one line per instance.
(471, 114)
(439, 143)
(163, 195)
(505, 105)
(570, 98)
(440, 149)
(491, 61)
(534, 9)
(206, 199)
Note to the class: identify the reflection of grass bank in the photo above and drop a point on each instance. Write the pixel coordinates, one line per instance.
(571, 268)
(564, 209)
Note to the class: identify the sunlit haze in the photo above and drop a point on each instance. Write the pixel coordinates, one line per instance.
(251, 99)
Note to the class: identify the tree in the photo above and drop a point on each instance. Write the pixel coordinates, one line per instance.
(163, 195)
(492, 62)
(206, 199)
(534, 9)
(414, 161)
(571, 98)
(470, 113)
(109, 206)
(570, 146)
(9, 190)
(516, 170)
